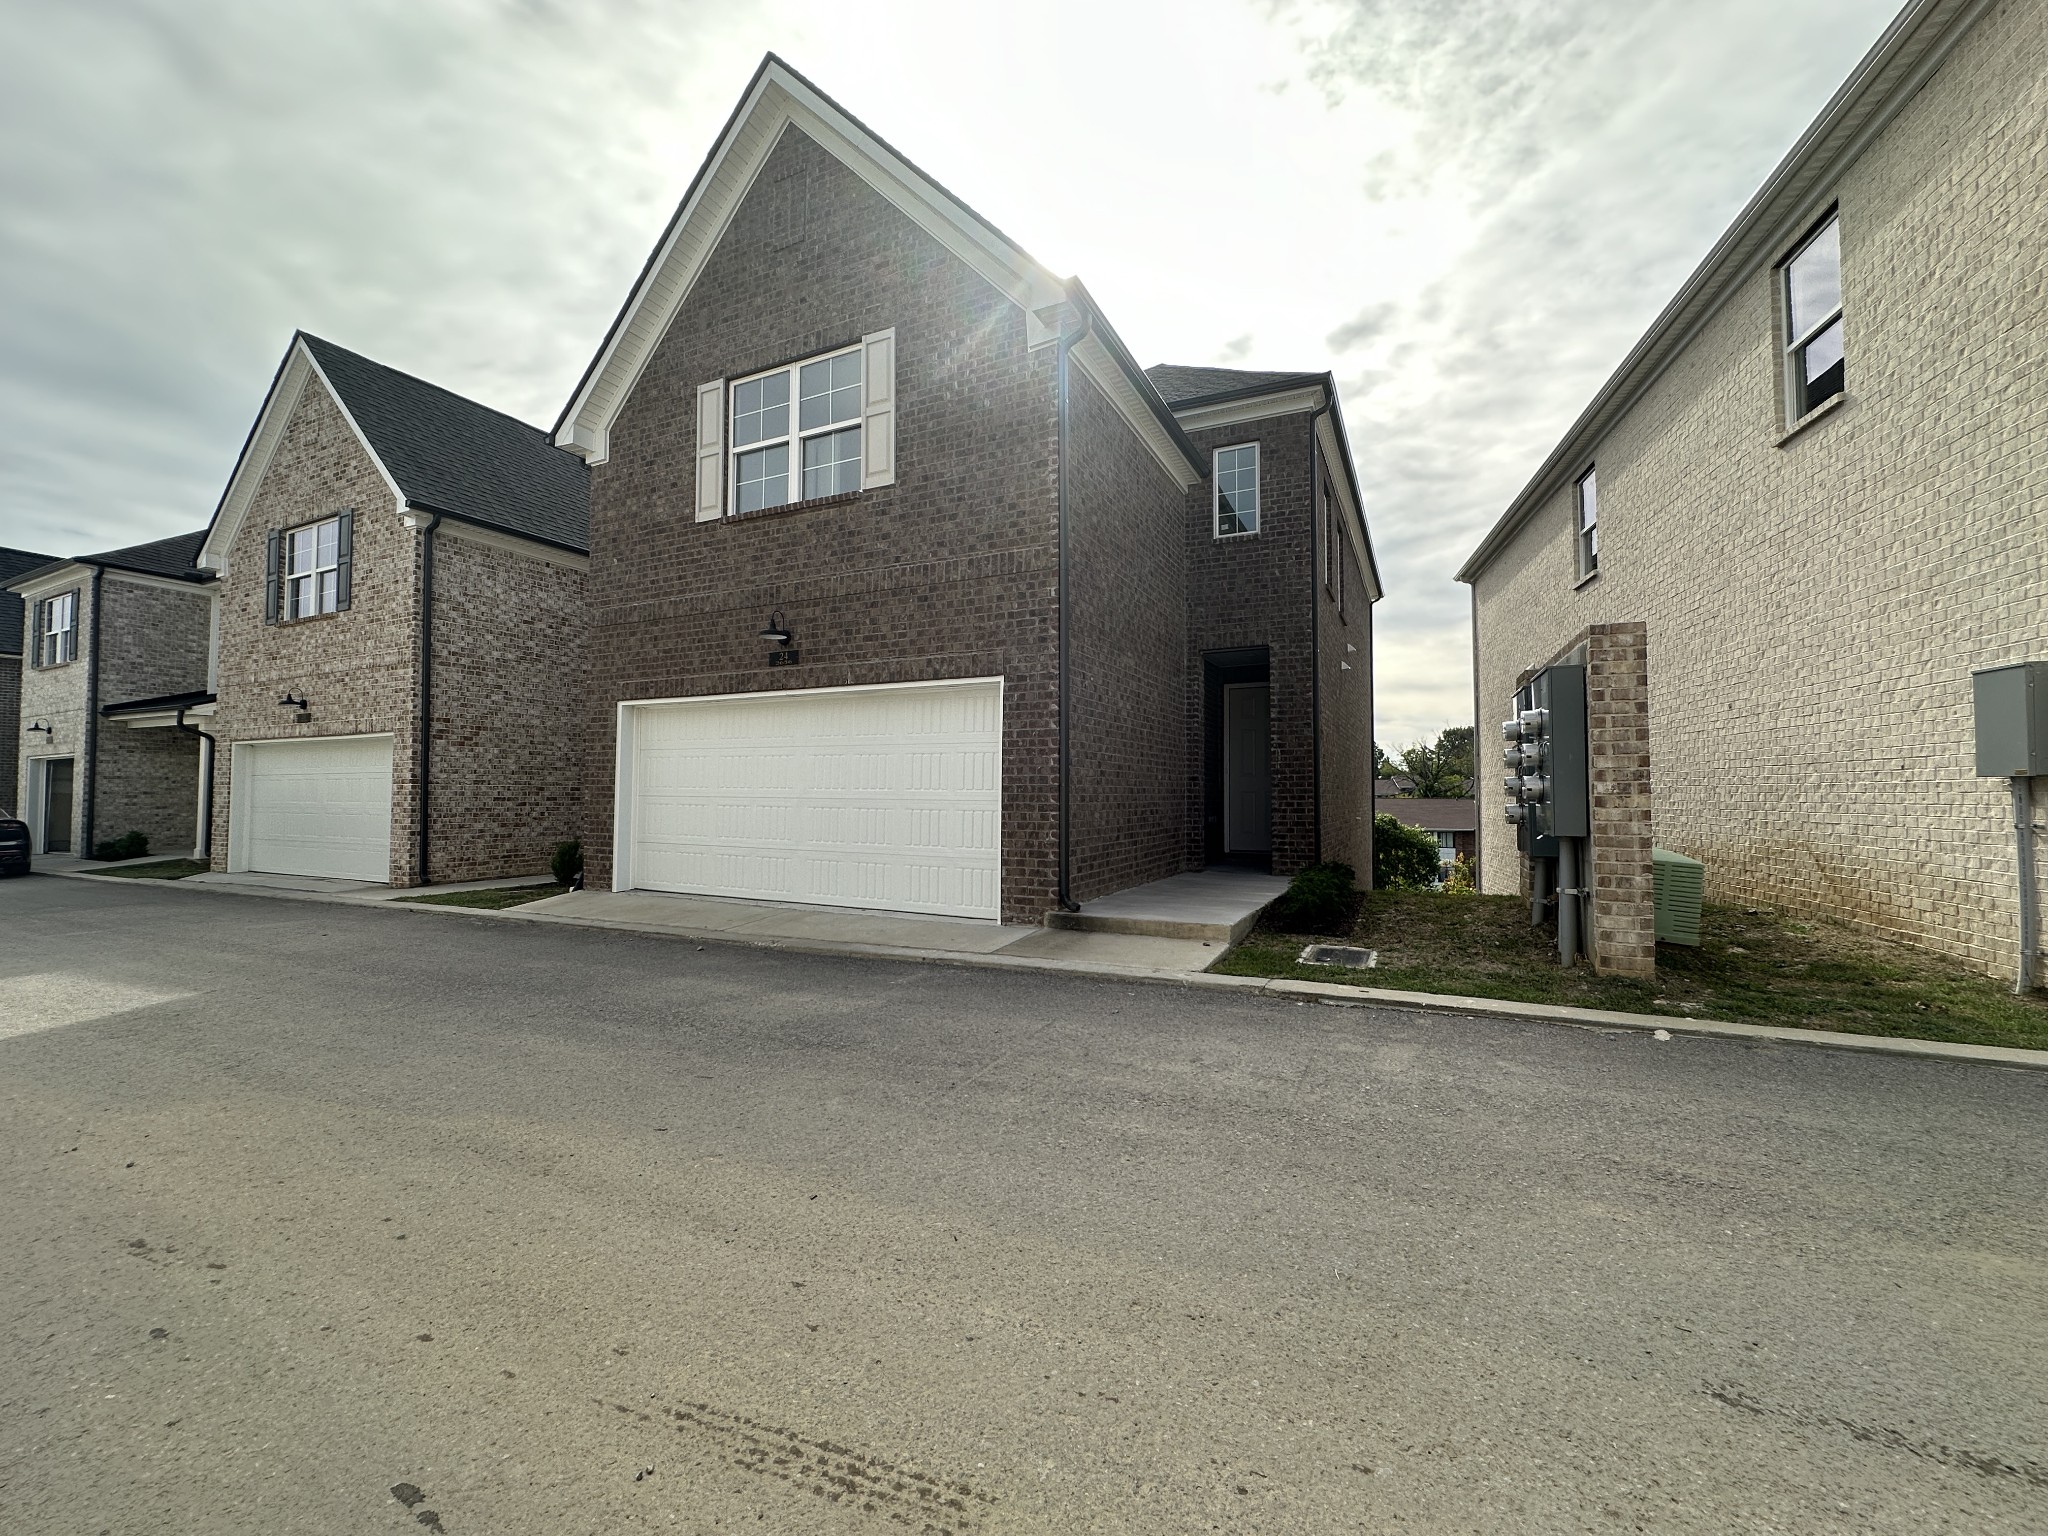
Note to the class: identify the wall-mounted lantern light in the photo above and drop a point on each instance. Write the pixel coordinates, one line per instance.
(303, 708)
(778, 631)
(49, 731)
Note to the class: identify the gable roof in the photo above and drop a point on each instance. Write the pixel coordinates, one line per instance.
(1790, 201)
(776, 99)
(1180, 385)
(449, 454)
(13, 563)
(437, 451)
(173, 558)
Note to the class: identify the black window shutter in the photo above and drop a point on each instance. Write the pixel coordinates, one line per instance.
(344, 547)
(271, 577)
(41, 619)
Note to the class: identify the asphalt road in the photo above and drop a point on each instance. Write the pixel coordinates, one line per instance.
(306, 1203)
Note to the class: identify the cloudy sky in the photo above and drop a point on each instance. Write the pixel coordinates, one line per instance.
(1468, 208)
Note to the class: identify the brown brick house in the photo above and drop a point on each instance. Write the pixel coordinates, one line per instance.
(104, 634)
(910, 589)
(400, 634)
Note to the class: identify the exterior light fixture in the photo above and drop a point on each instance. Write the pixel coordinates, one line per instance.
(778, 631)
(304, 710)
(49, 731)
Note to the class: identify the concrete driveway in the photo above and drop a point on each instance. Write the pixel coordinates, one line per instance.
(556, 1230)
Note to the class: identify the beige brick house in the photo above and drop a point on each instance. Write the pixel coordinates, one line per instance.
(401, 633)
(114, 646)
(1812, 500)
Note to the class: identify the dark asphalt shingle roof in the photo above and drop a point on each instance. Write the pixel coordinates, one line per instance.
(452, 455)
(1432, 815)
(13, 563)
(1177, 384)
(176, 557)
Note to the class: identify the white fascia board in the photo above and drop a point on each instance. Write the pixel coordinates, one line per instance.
(1345, 484)
(1230, 413)
(164, 583)
(1102, 368)
(496, 538)
(300, 368)
(49, 583)
(778, 100)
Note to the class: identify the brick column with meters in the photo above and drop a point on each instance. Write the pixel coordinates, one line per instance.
(1623, 936)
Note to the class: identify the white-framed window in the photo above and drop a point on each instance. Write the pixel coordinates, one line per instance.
(312, 574)
(57, 630)
(796, 432)
(1447, 847)
(1586, 516)
(1237, 490)
(1814, 349)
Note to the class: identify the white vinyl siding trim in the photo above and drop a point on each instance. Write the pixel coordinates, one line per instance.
(886, 797)
(710, 450)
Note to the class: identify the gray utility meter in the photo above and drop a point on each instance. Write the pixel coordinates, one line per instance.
(1545, 754)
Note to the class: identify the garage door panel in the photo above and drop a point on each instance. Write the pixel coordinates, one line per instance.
(315, 807)
(870, 799)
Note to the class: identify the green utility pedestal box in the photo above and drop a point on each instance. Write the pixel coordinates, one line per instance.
(1681, 887)
(2012, 720)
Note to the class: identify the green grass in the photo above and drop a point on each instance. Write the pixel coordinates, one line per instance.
(1753, 965)
(162, 869)
(490, 901)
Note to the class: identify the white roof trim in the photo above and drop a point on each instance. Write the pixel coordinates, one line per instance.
(278, 406)
(1354, 524)
(1096, 360)
(33, 589)
(1228, 413)
(498, 538)
(778, 99)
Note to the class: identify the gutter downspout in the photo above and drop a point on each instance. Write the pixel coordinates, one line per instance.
(92, 726)
(1067, 342)
(426, 522)
(1315, 618)
(203, 848)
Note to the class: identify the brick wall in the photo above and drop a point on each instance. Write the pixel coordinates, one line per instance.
(10, 732)
(148, 783)
(359, 668)
(950, 572)
(1254, 590)
(153, 639)
(509, 707)
(1127, 589)
(1345, 666)
(1815, 604)
(56, 696)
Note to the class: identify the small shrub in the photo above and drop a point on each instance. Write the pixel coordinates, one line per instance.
(1318, 900)
(567, 864)
(1403, 858)
(129, 845)
(1462, 878)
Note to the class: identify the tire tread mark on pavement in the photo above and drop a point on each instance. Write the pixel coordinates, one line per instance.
(837, 1473)
(1730, 1395)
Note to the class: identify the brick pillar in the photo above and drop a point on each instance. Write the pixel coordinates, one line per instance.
(1623, 939)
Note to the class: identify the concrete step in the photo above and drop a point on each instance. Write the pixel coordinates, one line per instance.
(1218, 906)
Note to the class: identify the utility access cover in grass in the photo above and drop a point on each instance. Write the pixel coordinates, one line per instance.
(1339, 954)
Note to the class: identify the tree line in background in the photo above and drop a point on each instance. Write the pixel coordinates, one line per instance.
(1441, 770)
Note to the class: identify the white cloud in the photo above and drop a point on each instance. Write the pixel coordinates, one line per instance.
(1469, 208)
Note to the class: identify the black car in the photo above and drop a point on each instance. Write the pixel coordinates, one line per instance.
(13, 845)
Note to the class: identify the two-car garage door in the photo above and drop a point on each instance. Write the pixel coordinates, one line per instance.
(887, 797)
(315, 806)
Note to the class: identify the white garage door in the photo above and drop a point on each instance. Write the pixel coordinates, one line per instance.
(313, 807)
(858, 797)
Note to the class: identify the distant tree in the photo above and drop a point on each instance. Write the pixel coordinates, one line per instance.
(1454, 746)
(1383, 766)
(1441, 769)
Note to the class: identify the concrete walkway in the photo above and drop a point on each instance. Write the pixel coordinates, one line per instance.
(1218, 904)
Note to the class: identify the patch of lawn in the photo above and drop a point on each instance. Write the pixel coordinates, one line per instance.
(162, 869)
(1753, 965)
(490, 901)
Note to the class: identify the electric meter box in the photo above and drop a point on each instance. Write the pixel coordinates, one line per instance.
(2012, 720)
(1546, 747)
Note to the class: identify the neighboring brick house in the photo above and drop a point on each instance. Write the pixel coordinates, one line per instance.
(13, 563)
(1807, 506)
(393, 556)
(910, 590)
(102, 632)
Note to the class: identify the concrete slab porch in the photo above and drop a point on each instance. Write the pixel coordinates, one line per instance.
(1217, 904)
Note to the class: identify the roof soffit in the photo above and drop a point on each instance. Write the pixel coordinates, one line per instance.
(778, 99)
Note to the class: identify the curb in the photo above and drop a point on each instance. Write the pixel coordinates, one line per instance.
(1327, 993)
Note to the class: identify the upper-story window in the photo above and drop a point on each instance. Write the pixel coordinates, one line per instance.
(1237, 490)
(1813, 318)
(816, 444)
(313, 569)
(56, 630)
(1587, 502)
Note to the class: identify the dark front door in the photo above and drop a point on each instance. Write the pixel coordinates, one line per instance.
(56, 806)
(1247, 770)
